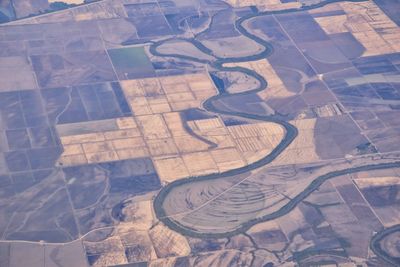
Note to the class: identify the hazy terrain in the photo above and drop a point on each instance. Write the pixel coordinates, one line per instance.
(199, 133)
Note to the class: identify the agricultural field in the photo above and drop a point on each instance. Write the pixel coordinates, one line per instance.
(199, 133)
(157, 130)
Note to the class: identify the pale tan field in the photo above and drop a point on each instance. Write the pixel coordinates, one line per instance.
(171, 168)
(158, 131)
(264, 4)
(110, 258)
(137, 238)
(168, 243)
(275, 88)
(153, 126)
(161, 95)
(122, 143)
(302, 149)
(227, 159)
(200, 163)
(110, 251)
(367, 23)
(377, 181)
(218, 258)
(76, 2)
(167, 262)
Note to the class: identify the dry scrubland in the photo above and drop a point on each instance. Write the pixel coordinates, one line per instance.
(138, 237)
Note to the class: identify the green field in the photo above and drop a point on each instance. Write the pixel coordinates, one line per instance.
(132, 60)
